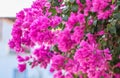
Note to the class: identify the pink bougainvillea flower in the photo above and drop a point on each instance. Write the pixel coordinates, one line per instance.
(21, 67)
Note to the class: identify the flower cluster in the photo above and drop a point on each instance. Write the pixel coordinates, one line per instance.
(92, 60)
(70, 45)
(103, 8)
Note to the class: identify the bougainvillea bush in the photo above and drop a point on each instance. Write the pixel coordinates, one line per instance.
(77, 38)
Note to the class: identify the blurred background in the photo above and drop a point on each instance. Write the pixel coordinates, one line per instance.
(8, 61)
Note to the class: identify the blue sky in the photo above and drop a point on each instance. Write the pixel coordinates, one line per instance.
(9, 8)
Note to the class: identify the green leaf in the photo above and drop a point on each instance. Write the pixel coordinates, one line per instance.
(61, 26)
(30, 63)
(117, 70)
(117, 29)
(118, 3)
(66, 9)
(65, 17)
(74, 8)
(113, 1)
(72, 1)
(56, 3)
(116, 16)
(55, 48)
(82, 1)
(111, 29)
(76, 76)
(103, 43)
(49, 0)
(95, 23)
(53, 10)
